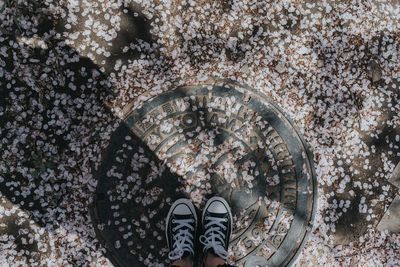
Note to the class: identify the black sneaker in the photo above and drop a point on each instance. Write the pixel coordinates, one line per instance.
(217, 225)
(181, 225)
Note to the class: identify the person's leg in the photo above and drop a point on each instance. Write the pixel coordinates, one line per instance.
(187, 262)
(217, 225)
(211, 260)
(181, 225)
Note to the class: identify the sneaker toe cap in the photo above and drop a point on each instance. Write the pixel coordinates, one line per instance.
(182, 209)
(217, 207)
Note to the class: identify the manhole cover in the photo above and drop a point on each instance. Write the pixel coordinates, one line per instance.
(199, 141)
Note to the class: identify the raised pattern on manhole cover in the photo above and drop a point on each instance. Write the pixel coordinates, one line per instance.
(198, 141)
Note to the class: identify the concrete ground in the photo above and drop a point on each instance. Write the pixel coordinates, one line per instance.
(68, 69)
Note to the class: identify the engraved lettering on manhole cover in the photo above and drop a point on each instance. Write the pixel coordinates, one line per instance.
(199, 141)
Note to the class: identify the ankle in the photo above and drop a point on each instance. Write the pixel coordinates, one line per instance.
(185, 262)
(212, 260)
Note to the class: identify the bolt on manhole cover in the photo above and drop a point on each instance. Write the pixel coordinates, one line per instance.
(197, 141)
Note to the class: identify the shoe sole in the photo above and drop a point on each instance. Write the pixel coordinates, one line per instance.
(176, 203)
(225, 203)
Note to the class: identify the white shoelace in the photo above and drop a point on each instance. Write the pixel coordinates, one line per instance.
(182, 240)
(213, 237)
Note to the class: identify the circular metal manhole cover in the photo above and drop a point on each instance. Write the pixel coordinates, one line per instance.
(199, 141)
